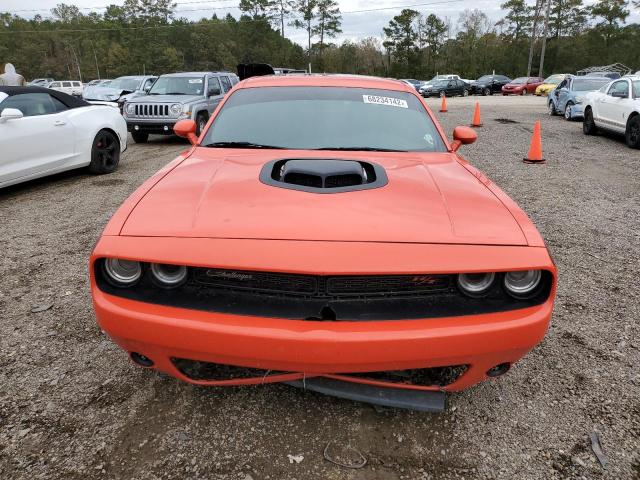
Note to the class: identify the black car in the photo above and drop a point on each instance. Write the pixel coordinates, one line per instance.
(450, 88)
(489, 84)
(412, 82)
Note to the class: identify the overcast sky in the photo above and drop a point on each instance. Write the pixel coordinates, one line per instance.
(354, 25)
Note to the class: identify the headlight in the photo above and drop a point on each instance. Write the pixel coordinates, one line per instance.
(168, 276)
(522, 284)
(475, 284)
(175, 109)
(122, 273)
(130, 108)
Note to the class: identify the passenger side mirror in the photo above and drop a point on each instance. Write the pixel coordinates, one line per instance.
(186, 129)
(619, 94)
(463, 136)
(10, 114)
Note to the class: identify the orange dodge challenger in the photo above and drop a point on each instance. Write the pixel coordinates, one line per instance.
(322, 231)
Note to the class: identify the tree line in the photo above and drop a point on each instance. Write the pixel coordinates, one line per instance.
(146, 36)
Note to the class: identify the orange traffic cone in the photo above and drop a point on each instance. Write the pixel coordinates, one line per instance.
(535, 150)
(443, 107)
(476, 116)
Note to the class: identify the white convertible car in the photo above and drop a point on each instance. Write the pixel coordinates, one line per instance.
(43, 132)
(615, 107)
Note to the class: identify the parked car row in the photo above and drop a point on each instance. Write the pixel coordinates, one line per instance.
(601, 103)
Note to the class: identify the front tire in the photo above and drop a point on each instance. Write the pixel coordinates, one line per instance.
(588, 125)
(567, 112)
(632, 133)
(552, 109)
(140, 137)
(105, 153)
(201, 123)
(524, 92)
(486, 91)
(465, 93)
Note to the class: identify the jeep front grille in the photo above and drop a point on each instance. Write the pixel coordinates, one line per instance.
(152, 110)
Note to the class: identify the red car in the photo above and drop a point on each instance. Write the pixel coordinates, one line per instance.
(323, 231)
(522, 86)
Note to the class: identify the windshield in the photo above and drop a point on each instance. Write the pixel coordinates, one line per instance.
(178, 86)
(554, 79)
(519, 80)
(580, 85)
(125, 83)
(441, 83)
(324, 118)
(485, 78)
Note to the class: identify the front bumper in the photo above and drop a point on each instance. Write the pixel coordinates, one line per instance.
(314, 348)
(159, 127)
(308, 348)
(577, 111)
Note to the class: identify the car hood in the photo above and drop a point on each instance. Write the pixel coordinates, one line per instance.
(169, 98)
(104, 93)
(429, 198)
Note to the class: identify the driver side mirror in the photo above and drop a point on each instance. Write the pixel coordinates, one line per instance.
(463, 136)
(10, 114)
(213, 92)
(619, 94)
(186, 129)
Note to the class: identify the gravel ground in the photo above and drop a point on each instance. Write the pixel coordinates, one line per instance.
(72, 406)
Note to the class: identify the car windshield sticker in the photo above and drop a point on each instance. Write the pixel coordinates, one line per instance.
(195, 80)
(389, 101)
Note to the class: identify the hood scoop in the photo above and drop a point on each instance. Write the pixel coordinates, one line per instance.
(323, 175)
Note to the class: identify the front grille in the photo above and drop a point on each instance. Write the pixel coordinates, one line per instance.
(321, 286)
(152, 110)
(427, 377)
(323, 298)
(196, 370)
(265, 282)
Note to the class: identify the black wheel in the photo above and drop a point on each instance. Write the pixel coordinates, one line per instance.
(140, 137)
(486, 91)
(465, 93)
(552, 109)
(524, 92)
(201, 122)
(442, 94)
(632, 134)
(105, 153)
(567, 111)
(588, 125)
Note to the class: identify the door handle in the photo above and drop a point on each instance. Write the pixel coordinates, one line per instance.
(59, 123)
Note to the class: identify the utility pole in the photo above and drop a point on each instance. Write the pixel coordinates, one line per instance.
(533, 35)
(544, 38)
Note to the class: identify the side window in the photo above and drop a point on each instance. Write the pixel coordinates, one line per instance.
(226, 84)
(213, 87)
(621, 87)
(77, 84)
(55, 85)
(31, 104)
(562, 84)
(66, 84)
(234, 80)
(58, 105)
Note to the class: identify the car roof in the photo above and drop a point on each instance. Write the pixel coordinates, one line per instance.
(68, 100)
(182, 74)
(323, 80)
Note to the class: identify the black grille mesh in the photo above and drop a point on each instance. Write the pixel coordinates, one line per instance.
(320, 286)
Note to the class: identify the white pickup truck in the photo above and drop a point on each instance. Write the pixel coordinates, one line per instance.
(615, 107)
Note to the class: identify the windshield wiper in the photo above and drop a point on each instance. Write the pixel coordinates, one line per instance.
(363, 149)
(240, 145)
